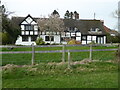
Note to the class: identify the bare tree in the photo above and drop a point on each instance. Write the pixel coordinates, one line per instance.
(51, 25)
(116, 14)
(42, 24)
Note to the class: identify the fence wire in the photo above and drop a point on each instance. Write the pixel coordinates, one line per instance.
(44, 54)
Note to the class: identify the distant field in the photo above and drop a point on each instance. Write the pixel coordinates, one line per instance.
(21, 59)
(90, 75)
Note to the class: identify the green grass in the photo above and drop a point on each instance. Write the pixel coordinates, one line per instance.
(21, 59)
(92, 75)
(56, 48)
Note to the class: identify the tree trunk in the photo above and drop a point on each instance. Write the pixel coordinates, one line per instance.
(60, 37)
(50, 37)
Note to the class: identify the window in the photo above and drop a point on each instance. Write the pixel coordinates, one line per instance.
(31, 32)
(95, 29)
(33, 38)
(62, 38)
(24, 38)
(36, 32)
(29, 27)
(47, 38)
(73, 38)
(23, 32)
(84, 37)
(72, 29)
(75, 29)
(65, 39)
(27, 33)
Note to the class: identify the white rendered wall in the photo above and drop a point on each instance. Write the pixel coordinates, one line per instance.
(29, 20)
(78, 34)
(83, 42)
(104, 39)
(72, 34)
(64, 42)
(56, 39)
(22, 27)
(24, 22)
(33, 23)
(68, 34)
(89, 37)
(94, 38)
(35, 27)
(78, 38)
(20, 42)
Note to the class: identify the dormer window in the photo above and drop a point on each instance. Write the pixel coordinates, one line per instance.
(75, 29)
(72, 29)
(95, 30)
(29, 27)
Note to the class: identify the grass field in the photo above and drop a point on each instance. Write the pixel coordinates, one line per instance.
(53, 75)
(48, 72)
(21, 59)
(57, 48)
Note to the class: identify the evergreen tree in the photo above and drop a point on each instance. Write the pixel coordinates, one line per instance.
(8, 27)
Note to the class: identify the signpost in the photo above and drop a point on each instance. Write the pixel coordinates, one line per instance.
(119, 16)
(0, 17)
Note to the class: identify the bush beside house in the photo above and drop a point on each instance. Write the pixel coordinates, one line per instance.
(73, 41)
(40, 41)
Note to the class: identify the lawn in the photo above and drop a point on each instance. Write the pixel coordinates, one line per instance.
(57, 48)
(54, 75)
(21, 59)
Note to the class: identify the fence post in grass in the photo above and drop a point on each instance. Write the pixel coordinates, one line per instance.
(90, 57)
(63, 53)
(119, 53)
(33, 53)
(68, 59)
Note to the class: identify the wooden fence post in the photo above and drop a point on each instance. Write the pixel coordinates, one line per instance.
(68, 59)
(90, 57)
(33, 53)
(119, 53)
(63, 53)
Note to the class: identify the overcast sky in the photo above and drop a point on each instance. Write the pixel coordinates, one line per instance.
(86, 8)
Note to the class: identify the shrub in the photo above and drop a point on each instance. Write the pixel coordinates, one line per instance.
(93, 42)
(40, 41)
(113, 39)
(74, 42)
(47, 44)
(5, 38)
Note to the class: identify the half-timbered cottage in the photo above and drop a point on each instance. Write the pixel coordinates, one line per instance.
(84, 31)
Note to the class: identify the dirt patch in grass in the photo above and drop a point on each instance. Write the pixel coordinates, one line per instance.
(85, 61)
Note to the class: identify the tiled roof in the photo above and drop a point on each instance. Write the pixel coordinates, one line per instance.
(108, 30)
